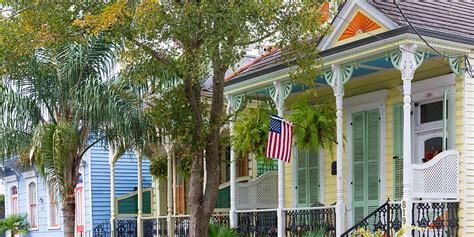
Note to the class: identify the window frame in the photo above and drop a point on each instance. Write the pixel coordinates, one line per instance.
(29, 205)
(14, 199)
(51, 195)
(79, 212)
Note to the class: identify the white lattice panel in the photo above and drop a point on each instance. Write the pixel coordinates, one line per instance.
(259, 193)
(437, 178)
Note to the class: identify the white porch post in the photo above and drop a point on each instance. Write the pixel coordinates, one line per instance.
(336, 81)
(169, 187)
(113, 210)
(233, 182)
(279, 99)
(407, 61)
(235, 103)
(140, 196)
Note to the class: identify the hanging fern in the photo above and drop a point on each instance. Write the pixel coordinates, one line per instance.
(159, 168)
(251, 130)
(314, 125)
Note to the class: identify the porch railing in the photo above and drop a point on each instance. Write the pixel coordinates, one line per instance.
(386, 218)
(300, 221)
(257, 222)
(435, 219)
(437, 178)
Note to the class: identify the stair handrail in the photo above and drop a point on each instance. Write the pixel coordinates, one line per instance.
(354, 227)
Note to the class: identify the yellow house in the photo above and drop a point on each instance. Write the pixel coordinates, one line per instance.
(399, 75)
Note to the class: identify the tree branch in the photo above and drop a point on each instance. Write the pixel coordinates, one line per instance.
(156, 55)
(90, 146)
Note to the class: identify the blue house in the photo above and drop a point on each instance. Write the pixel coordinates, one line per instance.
(27, 193)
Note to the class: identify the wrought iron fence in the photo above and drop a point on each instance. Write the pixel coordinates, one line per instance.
(102, 230)
(181, 226)
(300, 221)
(126, 228)
(386, 218)
(149, 227)
(220, 219)
(436, 219)
(257, 222)
(161, 226)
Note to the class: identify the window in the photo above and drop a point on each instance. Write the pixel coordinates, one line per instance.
(14, 200)
(32, 206)
(53, 206)
(79, 208)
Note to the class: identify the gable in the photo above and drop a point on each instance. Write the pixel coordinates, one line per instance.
(356, 20)
(359, 24)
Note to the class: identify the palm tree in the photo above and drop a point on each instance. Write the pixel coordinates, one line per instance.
(16, 224)
(59, 102)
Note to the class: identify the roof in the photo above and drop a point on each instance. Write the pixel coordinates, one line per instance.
(452, 17)
(447, 20)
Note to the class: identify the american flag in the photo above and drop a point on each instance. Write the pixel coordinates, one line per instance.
(279, 139)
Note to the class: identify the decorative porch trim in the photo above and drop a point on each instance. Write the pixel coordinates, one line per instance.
(455, 64)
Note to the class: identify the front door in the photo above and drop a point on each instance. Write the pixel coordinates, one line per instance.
(366, 156)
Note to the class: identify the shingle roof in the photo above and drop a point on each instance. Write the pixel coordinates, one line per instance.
(452, 18)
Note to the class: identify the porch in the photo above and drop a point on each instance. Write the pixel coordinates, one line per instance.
(395, 139)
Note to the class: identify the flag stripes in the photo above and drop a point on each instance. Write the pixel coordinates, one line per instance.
(279, 143)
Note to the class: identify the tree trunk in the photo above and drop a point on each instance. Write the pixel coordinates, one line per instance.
(202, 199)
(69, 212)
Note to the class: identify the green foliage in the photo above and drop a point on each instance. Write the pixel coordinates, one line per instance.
(318, 232)
(221, 231)
(159, 168)
(251, 128)
(314, 125)
(16, 224)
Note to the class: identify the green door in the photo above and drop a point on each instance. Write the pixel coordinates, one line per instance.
(366, 156)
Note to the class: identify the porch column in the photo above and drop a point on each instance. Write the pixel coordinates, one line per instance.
(407, 64)
(169, 186)
(233, 182)
(234, 104)
(336, 81)
(279, 95)
(140, 196)
(113, 211)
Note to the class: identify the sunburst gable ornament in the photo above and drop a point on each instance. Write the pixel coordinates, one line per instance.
(359, 24)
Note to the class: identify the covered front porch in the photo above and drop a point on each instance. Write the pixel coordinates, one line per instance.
(397, 160)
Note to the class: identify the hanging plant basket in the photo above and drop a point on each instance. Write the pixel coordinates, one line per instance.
(251, 130)
(314, 125)
(159, 168)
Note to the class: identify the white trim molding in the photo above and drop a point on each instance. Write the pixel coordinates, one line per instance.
(431, 88)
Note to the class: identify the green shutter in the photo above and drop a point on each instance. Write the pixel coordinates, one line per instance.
(397, 152)
(358, 138)
(373, 158)
(301, 160)
(366, 159)
(313, 173)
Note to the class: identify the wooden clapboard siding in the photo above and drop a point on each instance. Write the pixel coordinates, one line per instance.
(126, 175)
